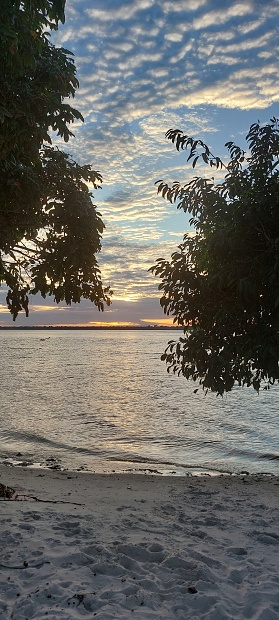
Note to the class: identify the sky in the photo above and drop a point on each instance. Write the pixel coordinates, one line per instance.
(208, 67)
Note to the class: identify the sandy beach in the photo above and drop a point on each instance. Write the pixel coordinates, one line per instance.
(135, 546)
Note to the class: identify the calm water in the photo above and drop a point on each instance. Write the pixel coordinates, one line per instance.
(104, 401)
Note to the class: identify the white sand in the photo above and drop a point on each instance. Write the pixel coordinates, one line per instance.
(140, 547)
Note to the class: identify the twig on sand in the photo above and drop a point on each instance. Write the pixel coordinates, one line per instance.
(46, 501)
(10, 494)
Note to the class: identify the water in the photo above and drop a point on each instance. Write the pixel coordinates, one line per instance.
(103, 401)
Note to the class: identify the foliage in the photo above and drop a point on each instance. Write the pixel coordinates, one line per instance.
(222, 284)
(50, 231)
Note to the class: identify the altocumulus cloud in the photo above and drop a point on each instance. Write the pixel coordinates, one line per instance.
(209, 67)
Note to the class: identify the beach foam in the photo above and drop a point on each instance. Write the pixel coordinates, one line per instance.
(136, 546)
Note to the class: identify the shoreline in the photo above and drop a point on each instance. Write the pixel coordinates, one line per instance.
(21, 477)
(24, 475)
(141, 546)
(173, 470)
(118, 468)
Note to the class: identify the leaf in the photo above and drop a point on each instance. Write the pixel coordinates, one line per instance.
(222, 282)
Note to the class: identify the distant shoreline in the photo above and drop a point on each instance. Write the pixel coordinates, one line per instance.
(90, 328)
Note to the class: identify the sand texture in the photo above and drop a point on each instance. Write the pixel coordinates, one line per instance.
(135, 546)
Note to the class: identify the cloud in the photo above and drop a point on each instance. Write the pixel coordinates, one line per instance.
(222, 16)
(205, 66)
(132, 44)
(125, 11)
(3, 309)
(125, 266)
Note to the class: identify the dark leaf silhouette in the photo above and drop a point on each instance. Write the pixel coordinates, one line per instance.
(222, 285)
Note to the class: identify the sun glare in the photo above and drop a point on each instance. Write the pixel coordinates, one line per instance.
(112, 324)
(163, 322)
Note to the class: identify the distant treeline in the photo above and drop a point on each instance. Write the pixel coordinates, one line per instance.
(104, 327)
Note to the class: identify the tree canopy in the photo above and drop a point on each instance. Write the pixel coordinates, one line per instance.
(222, 283)
(50, 231)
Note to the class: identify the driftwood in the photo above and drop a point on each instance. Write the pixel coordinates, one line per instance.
(10, 494)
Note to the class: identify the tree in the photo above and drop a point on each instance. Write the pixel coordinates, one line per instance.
(50, 231)
(222, 284)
